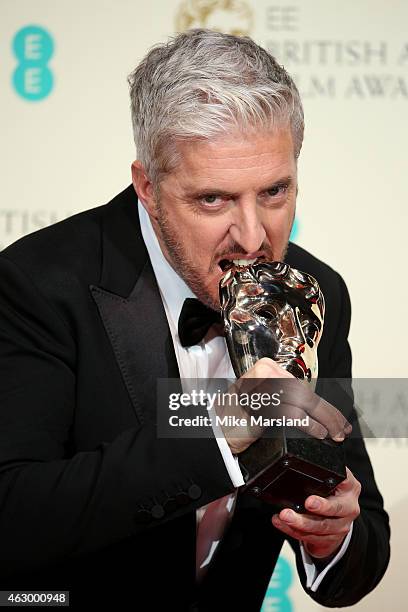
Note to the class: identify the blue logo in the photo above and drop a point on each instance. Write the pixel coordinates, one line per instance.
(33, 47)
(276, 597)
(295, 230)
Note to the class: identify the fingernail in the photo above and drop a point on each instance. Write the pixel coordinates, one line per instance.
(289, 516)
(314, 504)
(339, 437)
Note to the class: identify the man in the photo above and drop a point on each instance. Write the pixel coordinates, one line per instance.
(91, 499)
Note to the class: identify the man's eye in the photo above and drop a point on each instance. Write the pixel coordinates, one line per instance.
(277, 190)
(209, 199)
(212, 200)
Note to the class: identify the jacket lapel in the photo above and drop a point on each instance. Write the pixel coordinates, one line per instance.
(130, 306)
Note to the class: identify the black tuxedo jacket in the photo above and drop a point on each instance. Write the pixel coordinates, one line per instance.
(91, 500)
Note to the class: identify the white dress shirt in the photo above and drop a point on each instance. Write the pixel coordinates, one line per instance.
(206, 360)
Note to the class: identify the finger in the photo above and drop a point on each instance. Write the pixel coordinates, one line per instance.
(310, 538)
(311, 524)
(262, 377)
(267, 375)
(288, 529)
(267, 368)
(332, 419)
(349, 484)
(298, 393)
(350, 481)
(328, 507)
(343, 499)
(345, 505)
(313, 427)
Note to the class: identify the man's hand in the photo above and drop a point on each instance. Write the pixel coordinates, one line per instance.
(323, 529)
(297, 401)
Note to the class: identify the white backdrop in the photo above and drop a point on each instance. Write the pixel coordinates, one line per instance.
(71, 149)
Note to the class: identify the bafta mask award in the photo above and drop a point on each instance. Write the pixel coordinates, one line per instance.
(272, 310)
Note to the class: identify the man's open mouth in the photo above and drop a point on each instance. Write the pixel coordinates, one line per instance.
(226, 264)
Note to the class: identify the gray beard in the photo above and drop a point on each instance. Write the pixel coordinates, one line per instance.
(180, 263)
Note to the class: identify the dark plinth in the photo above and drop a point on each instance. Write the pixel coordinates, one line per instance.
(285, 470)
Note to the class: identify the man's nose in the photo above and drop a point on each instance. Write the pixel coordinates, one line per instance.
(247, 229)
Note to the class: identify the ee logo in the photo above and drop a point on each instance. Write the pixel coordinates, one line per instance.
(276, 596)
(33, 47)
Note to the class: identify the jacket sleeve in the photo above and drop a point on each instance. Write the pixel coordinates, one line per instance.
(54, 505)
(345, 584)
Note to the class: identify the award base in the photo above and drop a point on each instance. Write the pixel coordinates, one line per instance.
(285, 470)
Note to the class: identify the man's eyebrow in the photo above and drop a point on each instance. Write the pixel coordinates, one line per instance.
(195, 193)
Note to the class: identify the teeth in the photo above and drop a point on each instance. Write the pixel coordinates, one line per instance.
(244, 262)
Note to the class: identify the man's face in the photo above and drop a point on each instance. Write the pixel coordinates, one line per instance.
(231, 198)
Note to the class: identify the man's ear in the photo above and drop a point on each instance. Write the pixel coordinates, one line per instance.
(143, 188)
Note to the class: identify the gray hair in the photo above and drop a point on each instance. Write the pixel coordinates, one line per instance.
(204, 83)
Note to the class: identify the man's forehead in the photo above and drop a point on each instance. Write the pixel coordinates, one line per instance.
(254, 145)
(219, 164)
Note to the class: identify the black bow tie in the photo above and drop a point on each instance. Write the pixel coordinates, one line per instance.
(194, 321)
